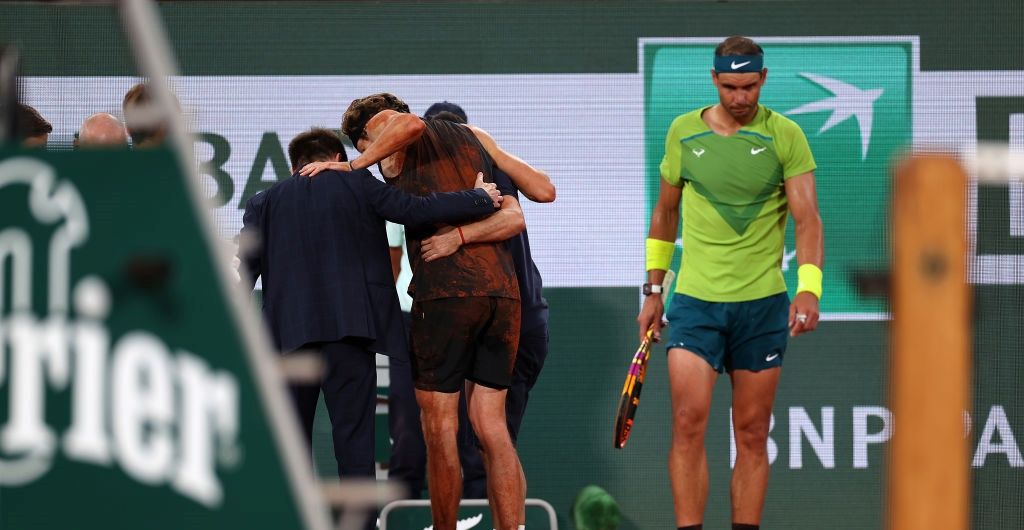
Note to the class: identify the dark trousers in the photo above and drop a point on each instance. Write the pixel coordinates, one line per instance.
(408, 461)
(349, 386)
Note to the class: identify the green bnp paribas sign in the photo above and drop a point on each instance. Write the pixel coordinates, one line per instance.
(130, 393)
(851, 96)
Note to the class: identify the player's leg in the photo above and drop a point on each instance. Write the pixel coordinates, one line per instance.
(691, 381)
(442, 351)
(492, 374)
(444, 478)
(695, 354)
(504, 473)
(474, 472)
(529, 361)
(756, 345)
(752, 397)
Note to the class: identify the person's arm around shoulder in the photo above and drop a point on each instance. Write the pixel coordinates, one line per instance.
(504, 224)
(810, 252)
(401, 207)
(534, 183)
(387, 132)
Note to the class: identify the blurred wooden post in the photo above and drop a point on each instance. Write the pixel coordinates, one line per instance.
(929, 460)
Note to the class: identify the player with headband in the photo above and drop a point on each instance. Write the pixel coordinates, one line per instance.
(738, 169)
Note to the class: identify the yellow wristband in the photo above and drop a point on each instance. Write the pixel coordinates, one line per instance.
(809, 279)
(659, 253)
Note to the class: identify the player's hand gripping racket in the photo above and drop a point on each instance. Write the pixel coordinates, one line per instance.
(635, 377)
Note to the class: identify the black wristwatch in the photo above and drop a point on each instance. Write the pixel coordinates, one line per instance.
(651, 288)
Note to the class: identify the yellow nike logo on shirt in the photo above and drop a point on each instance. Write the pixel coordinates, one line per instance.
(754, 151)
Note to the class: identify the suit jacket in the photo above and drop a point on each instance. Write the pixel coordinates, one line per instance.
(322, 252)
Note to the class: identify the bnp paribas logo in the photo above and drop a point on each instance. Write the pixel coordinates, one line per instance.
(161, 415)
(852, 96)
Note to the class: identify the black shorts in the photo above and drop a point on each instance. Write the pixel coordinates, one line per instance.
(470, 338)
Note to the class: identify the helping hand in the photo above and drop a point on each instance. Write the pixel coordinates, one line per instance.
(491, 189)
(312, 168)
(444, 243)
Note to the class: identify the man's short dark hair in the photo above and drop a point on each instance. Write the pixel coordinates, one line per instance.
(315, 145)
(738, 45)
(353, 125)
(449, 107)
(447, 116)
(29, 123)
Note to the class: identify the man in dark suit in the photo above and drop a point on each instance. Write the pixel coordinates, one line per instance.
(320, 247)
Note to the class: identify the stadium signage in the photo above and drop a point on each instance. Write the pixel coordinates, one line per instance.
(872, 425)
(162, 415)
(855, 119)
(269, 153)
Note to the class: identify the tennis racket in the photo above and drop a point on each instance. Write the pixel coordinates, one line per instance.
(630, 399)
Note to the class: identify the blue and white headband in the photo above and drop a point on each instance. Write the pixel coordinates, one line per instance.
(738, 64)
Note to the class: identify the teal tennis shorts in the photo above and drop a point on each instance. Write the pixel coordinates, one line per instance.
(731, 336)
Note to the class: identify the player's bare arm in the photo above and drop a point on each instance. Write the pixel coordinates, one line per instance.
(810, 246)
(505, 223)
(664, 226)
(535, 184)
(388, 132)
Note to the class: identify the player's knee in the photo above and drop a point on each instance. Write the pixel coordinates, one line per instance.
(752, 435)
(491, 431)
(689, 423)
(484, 414)
(439, 425)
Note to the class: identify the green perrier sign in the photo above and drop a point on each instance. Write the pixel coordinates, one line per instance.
(850, 95)
(130, 396)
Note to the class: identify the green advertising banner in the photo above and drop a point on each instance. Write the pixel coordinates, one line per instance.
(130, 392)
(852, 98)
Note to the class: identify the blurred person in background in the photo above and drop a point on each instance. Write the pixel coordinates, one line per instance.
(102, 130)
(31, 128)
(142, 117)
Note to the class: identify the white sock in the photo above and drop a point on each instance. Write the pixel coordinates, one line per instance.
(522, 527)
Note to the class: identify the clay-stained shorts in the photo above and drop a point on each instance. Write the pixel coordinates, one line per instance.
(469, 338)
